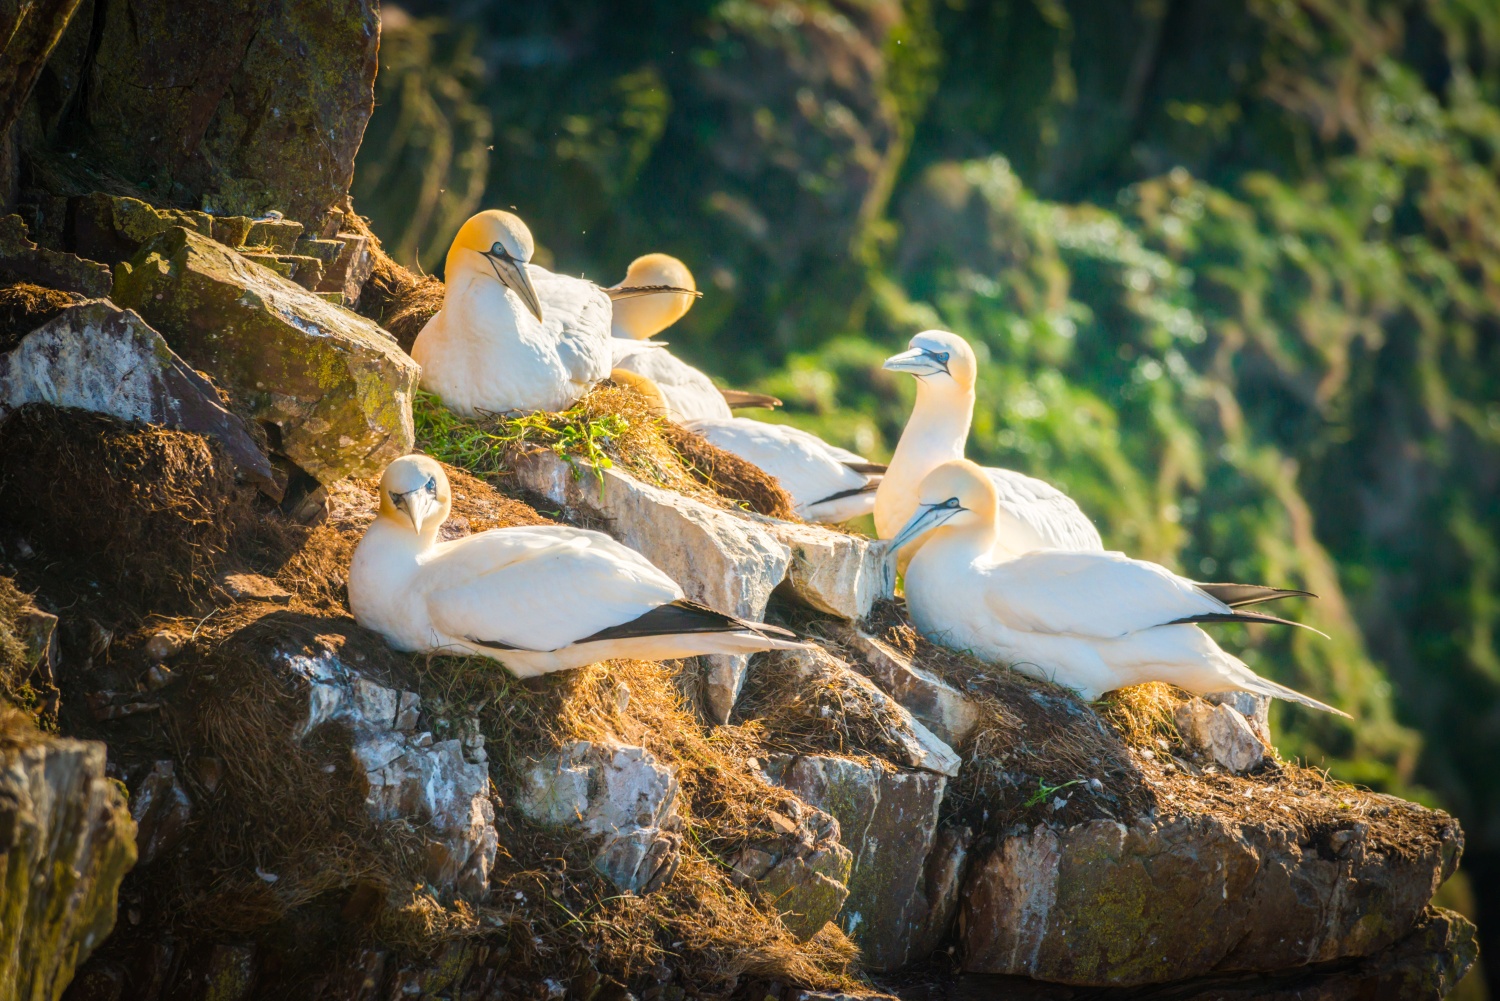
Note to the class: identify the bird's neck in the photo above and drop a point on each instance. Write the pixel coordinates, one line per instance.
(476, 301)
(962, 543)
(935, 432)
(397, 538)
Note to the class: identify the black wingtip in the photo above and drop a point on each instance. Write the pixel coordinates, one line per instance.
(1260, 618)
(868, 468)
(680, 617)
(738, 399)
(633, 291)
(1240, 595)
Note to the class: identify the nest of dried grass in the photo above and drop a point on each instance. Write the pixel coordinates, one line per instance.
(711, 931)
(611, 425)
(397, 299)
(18, 657)
(146, 509)
(24, 307)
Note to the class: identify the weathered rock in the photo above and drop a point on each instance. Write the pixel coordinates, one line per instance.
(1220, 732)
(843, 575)
(23, 261)
(68, 842)
(1255, 708)
(245, 107)
(888, 821)
(335, 385)
(408, 774)
(111, 228)
(616, 790)
(96, 356)
(348, 273)
(162, 810)
(720, 559)
(1103, 903)
(942, 708)
(804, 871)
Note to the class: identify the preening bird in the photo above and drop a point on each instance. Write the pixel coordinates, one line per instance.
(826, 483)
(1090, 621)
(511, 335)
(658, 290)
(536, 599)
(1032, 514)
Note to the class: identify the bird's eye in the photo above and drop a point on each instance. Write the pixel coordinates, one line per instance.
(940, 356)
(431, 485)
(951, 502)
(498, 250)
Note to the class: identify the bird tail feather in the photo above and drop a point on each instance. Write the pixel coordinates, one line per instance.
(1261, 686)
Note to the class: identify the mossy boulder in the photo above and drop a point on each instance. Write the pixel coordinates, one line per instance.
(239, 107)
(1184, 895)
(334, 386)
(21, 260)
(66, 842)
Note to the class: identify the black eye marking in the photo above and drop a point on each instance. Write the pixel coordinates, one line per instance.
(951, 502)
(941, 356)
(431, 485)
(496, 250)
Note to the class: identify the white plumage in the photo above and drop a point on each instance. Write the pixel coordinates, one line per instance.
(1089, 621)
(1032, 514)
(511, 335)
(689, 394)
(824, 481)
(537, 599)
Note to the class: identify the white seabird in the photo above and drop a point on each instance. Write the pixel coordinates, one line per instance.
(1033, 514)
(537, 599)
(669, 293)
(1089, 621)
(825, 483)
(511, 335)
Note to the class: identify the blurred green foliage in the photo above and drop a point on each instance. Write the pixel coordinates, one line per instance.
(1232, 268)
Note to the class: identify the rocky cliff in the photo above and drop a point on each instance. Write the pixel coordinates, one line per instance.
(264, 800)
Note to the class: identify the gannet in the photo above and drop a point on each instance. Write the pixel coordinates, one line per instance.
(1033, 514)
(511, 335)
(690, 394)
(826, 483)
(1090, 621)
(537, 599)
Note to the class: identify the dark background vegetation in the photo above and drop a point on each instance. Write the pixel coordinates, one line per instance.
(1232, 267)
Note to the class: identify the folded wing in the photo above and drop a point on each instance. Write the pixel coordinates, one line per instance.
(539, 588)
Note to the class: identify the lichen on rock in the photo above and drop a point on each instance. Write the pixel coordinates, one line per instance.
(334, 385)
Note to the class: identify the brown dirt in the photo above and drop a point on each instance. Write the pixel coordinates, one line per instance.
(24, 307)
(146, 509)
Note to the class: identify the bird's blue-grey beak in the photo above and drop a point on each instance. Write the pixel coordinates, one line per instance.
(917, 361)
(512, 274)
(928, 517)
(419, 504)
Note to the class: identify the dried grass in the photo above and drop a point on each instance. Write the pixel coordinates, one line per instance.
(712, 931)
(145, 509)
(397, 299)
(611, 425)
(24, 307)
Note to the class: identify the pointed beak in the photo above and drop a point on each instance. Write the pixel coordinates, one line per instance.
(928, 517)
(420, 506)
(916, 361)
(512, 274)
